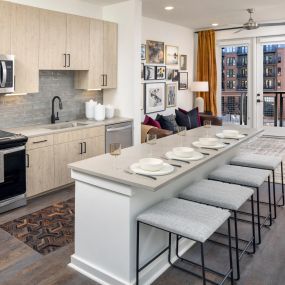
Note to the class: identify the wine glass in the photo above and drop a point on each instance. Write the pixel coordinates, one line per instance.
(207, 126)
(181, 131)
(115, 150)
(151, 140)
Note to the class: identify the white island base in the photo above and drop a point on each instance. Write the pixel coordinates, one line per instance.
(106, 211)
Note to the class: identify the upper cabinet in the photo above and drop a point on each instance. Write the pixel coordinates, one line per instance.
(102, 72)
(25, 47)
(5, 27)
(64, 41)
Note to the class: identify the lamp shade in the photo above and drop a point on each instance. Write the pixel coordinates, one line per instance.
(200, 86)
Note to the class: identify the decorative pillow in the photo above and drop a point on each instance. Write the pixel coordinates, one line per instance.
(192, 114)
(189, 119)
(168, 122)
(151, 122)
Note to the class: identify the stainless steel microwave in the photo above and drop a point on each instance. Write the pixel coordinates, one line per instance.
(7, 80)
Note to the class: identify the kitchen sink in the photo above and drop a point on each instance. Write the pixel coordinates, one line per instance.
(68, 125)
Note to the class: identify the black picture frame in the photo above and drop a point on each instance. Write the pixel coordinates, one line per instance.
(149, 72)
(183, 81)
(154, 86)
(175, 76)
(158, 74)
(143, 51)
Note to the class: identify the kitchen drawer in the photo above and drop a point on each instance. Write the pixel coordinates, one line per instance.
(38, 142)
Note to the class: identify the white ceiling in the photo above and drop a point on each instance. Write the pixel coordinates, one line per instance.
(200, 14)
(104, 2)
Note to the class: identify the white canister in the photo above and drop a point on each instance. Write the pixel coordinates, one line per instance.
(89, 109)
(110, 111)
(99, 112)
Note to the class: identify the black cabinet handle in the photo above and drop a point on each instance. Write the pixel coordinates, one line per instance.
(103, 80)
(81, 148)
(85, 147)
(106, 83)
(40, 141)
(27, 160)
(68, 60)
(64, 59)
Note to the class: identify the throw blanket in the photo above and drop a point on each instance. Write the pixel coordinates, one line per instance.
(144, 130)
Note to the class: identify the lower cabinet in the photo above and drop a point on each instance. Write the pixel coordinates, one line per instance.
(40, 170)
(94, 146)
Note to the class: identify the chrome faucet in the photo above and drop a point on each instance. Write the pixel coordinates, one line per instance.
(53, 117)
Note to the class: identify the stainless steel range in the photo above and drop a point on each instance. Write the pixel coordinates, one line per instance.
(12, 171)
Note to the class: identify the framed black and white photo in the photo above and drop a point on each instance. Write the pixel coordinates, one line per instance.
(169, 74)
(160, 72)
(154, 52)
(142, 71)
(175, 75)
(149, 72)
(171, 55)
(154, 97)
(183, 62)
(143, 47)
(171, 95)
(183, 81)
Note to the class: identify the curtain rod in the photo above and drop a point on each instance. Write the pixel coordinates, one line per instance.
(223, 29)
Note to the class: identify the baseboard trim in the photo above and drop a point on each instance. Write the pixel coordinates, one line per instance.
(147, 276)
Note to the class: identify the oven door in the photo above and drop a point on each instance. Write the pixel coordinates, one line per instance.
(12, 172)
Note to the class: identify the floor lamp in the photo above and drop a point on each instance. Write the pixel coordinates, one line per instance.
(197, 87)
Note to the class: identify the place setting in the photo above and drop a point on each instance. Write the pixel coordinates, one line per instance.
(231, 134)
(183, 154)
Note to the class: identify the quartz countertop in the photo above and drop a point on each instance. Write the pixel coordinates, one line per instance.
(102, 166)
(40, 130)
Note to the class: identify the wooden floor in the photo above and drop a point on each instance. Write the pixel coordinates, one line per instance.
(20, 265)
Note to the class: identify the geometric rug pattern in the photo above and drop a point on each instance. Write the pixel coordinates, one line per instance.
(47, 229)
(268, 146)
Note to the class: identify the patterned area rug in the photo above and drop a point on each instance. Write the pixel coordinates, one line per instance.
(45, 230)
(268, 146)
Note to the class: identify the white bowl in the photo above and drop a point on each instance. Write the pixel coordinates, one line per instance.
(208, 141)
(183, 151)
(230, 133)
(151, 164)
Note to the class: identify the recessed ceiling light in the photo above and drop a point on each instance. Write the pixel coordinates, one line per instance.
(215, 24)
(169, 8)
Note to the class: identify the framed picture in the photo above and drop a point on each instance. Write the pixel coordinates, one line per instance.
(160, 72)
(142, 71)
(149, 72)
(183, 62)
(175, 75)
(143, 47)
(171, 55)
(171, 95)
(183, 81)
(169, 74)
(154, 97)
(154, 52)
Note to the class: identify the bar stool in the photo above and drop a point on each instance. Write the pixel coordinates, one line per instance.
(226, 196)
(248, 177)
(189, 220)
(263, 162)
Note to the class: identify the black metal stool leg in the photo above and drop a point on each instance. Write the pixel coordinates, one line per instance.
(274, 195)
(237, 246)
(203, 264)
(253, 224)
(258, 216)
(269, 201)
(230, 252)
(137, 253)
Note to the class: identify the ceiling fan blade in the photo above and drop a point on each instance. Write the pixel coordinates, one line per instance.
(271, 24)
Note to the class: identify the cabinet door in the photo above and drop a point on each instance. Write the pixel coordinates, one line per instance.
(52, 40)
(110, 54)
(78, 38)
(94, 146)
(63, 155)
(5, 27)
(40, 170)
(25, 47)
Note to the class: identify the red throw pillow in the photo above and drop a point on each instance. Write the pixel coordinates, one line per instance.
(151, 122)
(198, 116)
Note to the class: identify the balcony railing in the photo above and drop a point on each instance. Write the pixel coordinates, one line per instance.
(241, 63)
(270, 61)
(269, 74)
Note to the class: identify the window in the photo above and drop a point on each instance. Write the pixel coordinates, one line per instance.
(231, 61)
(279, 58)
(279, 84)
(230, 73)
(279, 71)
(268, 84)
(242, 84)
(269, 71)
(231, 84)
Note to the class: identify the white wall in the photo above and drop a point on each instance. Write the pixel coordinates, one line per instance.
(174, 35)
(126, 98)
(76, 7)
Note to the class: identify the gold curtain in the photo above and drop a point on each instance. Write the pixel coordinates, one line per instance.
(207, 68)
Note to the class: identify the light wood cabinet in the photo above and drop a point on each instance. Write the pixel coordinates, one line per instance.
(102, 72)
(25, 47)
(94, 146)
(40, 170)
(5, 27)
(52, 45)
(77, 45)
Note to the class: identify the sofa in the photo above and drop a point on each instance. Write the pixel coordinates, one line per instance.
(154, 128)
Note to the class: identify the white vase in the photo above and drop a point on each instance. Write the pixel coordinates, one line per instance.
(99, 112)
(89, 109)
(110, 111)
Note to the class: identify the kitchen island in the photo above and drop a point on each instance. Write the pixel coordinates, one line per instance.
(108, 200)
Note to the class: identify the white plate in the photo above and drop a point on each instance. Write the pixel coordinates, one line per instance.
(222, 136)
(196, 156)
(166, 169)
(198, 144)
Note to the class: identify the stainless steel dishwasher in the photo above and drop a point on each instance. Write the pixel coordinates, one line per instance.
(119, 133)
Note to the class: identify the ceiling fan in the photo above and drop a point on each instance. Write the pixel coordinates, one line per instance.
(253, 25)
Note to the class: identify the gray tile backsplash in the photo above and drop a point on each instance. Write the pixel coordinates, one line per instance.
(31, 109)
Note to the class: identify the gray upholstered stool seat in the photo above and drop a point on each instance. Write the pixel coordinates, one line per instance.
(257, 161)
(216, 193)
(250, 177)
(188, 219)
